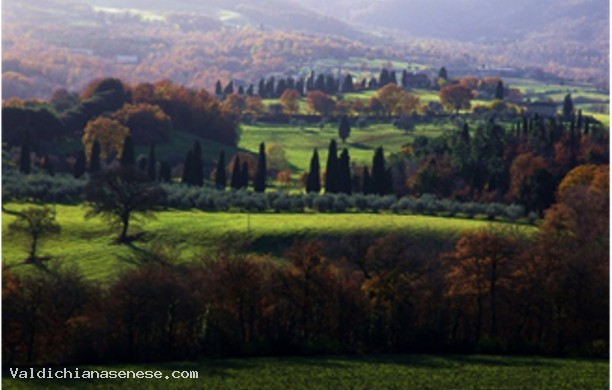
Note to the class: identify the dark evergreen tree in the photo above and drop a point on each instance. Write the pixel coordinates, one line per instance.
(384, 78)
(221, 176)
(244, 183)
(270, 87)
(236, 179)
(290, 83)
(25, 162)
(281, 87)
(94, 161)
(331, 86)
(250, 91)
(261, 90)
(80, 165)
(347, 84)
(313, 182)
(568, 107)
(259, 184)
(367, 182)
(379, 173)
(404, 78)
(241, 90)
(229, 88)
(364, 84)
(331, 169)
(442, 73)
(188, 169)
(356, 184)
(152, 164)
(392, 78)
(373, 84)
(344, 130)
(218, 88)
(47, 165)
(320, 83)
(499, 90)
(128, 155)
(310, 81)
(197, 166)
(165, 172)
(299, 86)
(344, 173)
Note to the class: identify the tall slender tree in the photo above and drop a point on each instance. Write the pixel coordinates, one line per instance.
(236, 179)
(344, 130)
(331, 169)
(188, 169)
(152, 164)
(165, 172)
(367, 182)
(499, 90)
(568, 107)
(221, 176)
(379, 172)
(313, 182)
(127, 155)
(197, 166)
(24, 158)
(94, 162)
(245, 175)
(344, 173)
(260, 176)
(80, 165)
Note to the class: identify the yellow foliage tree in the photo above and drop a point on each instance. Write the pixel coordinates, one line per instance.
(108, 132)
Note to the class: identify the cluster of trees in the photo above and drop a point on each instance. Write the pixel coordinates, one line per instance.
(488, 291)
(108, 109)
(523, 164)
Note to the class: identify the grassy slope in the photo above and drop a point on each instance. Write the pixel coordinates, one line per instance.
(89, 243)
(300, 142)
(384, 372)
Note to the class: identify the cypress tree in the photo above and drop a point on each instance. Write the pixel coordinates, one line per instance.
(320, 83)
(260, 176)
(404, 78)
(392, 78)
(344, 173)
(379, 172)
(384, 78)
(47, 165)
(250, 90)
(568, 106)
(313, 182)
(331, 169)
(188, 169)
(127, 155)
(356, 184)
(499, 90)
(261, 90)
(24, 157)
(152, 164)
(442, 73)
(245, 175)
(229, 88)
(198, 173)
(241, 90)
(344, 130)
(236, 180)
(367, 182)
(94, 162)
(218, 88)
(221, 177)
(388, 182)
(165, 172)
(80, 165)
(347, 84)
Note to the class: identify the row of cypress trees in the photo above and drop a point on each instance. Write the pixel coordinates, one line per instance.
(338, 176)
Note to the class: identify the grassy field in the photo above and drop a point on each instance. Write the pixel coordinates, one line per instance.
(89, 243)
(384, 372)
(299, 142)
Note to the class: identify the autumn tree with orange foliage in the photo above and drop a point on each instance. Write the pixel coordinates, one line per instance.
(395, 101)
(320, 102)
(147, 123)
(456, 97)
(290, 100)
(109, 133)
(479, 270)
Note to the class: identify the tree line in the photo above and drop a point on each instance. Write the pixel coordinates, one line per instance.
(487, 291)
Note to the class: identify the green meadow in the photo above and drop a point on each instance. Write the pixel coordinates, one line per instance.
(89, 243)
